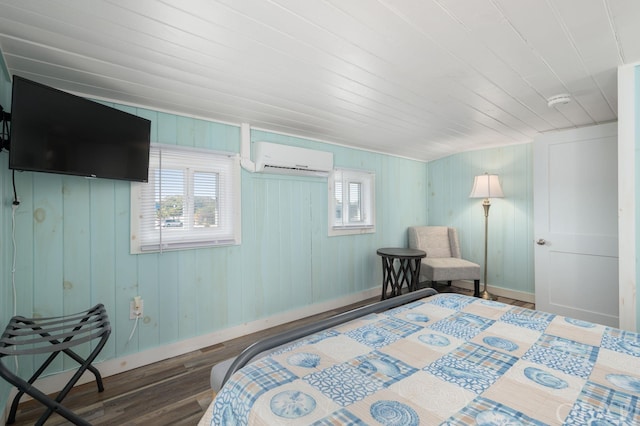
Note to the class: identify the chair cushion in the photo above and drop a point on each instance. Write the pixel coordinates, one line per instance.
(434, 240)
(449, 269)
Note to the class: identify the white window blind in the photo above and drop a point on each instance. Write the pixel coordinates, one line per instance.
(351, 202)
(192, 200)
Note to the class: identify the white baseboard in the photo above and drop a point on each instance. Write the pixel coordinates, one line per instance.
(499, 291)
(56, 382)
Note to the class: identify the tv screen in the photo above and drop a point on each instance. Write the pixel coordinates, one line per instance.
(57, 132)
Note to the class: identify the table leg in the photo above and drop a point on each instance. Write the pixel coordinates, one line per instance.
(387, 276)
(415, 274)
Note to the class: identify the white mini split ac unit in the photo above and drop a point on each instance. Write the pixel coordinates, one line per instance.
(291, 160)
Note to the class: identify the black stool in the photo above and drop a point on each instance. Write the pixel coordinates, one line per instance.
(30, 336)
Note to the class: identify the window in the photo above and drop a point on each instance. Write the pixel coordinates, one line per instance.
(351, 202)
(192, 200)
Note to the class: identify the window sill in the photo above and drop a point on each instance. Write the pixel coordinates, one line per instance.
(351, 230)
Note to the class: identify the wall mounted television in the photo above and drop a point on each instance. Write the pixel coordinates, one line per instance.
(57, 132)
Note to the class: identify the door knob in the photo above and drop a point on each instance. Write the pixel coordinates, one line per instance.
(541, 242)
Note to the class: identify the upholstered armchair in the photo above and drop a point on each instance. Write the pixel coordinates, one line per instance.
(444, 261)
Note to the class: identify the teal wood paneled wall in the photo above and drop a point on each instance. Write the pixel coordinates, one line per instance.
(73, 245)
(510, 253)
(637, 178)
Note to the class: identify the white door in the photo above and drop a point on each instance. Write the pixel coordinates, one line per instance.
(576, 223)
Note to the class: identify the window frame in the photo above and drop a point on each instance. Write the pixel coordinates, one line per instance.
(148, 235)
(367, 200)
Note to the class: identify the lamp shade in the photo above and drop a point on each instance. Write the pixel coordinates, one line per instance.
(486, 186)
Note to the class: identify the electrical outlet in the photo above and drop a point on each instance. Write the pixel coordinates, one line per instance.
(136, 309)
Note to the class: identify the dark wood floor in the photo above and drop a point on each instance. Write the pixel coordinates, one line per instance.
(171, 392)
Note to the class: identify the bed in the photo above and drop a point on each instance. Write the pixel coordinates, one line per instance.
(444, 359)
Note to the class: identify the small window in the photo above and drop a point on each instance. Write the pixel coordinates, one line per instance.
(351, 202)
(192, 200)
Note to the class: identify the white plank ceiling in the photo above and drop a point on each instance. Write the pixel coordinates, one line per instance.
(420, 79)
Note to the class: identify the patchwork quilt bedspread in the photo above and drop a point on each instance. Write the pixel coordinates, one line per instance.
(446, 359)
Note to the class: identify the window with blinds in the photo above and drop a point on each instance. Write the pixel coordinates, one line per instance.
(351, 202)
(192, 200)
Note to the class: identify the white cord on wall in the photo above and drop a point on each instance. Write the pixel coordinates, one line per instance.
(135, 325)
(15, 251)
(14, 207)
(136, 312)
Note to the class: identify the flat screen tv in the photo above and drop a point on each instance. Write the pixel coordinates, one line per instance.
(57, 132)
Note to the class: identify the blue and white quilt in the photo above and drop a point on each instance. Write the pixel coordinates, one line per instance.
(448, 359)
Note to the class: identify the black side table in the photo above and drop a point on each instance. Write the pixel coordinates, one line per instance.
(407, 271)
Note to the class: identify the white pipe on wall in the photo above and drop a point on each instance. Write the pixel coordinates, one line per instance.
(245, 148)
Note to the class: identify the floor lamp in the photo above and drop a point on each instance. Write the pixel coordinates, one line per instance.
(486, 186)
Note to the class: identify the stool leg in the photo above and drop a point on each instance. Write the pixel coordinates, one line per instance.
(91, 368)
(21, 392)
(85, 364)
(42, 398)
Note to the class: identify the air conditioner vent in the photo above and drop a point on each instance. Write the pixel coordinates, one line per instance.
(292, 160)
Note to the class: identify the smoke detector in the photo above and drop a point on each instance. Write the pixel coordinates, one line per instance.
(561, 99)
